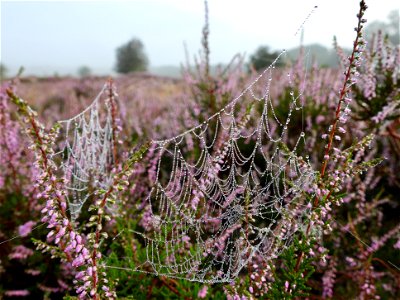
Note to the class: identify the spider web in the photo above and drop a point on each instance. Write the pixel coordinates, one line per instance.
(239, 194)
(86, 157)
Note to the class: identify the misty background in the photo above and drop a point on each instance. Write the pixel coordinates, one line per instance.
(61, 37)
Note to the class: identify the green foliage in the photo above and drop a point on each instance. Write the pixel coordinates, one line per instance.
(291, 276)
(131, 57)
(137, 155)
(84, 71)
(262, 58)
(3, 71)
(126, 253)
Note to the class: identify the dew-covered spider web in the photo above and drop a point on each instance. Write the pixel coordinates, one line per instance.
(228, 189)
(87, 157)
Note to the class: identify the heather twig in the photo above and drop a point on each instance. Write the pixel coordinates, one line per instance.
(340, 113)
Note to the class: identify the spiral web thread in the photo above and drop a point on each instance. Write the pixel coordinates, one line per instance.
(86, 155)
(226, 190)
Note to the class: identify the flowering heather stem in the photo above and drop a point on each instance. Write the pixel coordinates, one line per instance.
(66, 238)
(350, 72)
(204, 42)
(347, 82)
(69, 241)
(113, 120)
(40, 144)
(120, 182)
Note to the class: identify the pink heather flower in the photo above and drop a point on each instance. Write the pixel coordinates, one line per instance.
(328, 281)
(202, 292)
(319, 119)
(48, 289)
(79, 261)
(105, 288)
(82, 295)
(32, 272)
(62, 284)
(20, 252)
(195, 202)
(79, 248)
(186, 239)
(286, 285)
(324, 136)
(80, 275)
(26, 228)
(61, 233)
(347, 100)
(350, 261)
(17, 293)
(397, 245)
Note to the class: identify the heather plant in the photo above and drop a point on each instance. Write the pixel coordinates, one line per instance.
(377, 96)
(369, 198)
(73, 245)
(20, 210)
(369, 214)
(209, 90)
(366, 287)
(11, 150)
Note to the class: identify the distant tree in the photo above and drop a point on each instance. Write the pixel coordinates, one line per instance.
(3, 71)
(131, 57)
(391, 28)
(263, 58)
(84, 71)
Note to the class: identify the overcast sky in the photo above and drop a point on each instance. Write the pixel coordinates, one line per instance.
(59, 36)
